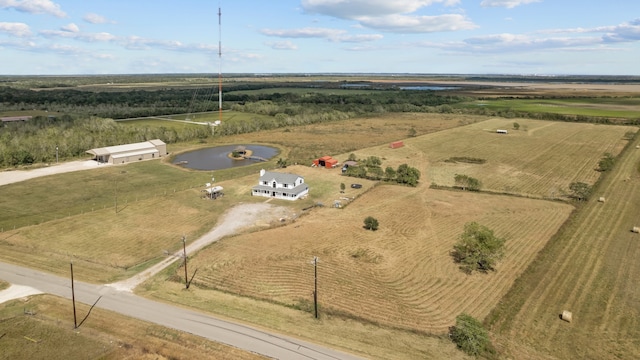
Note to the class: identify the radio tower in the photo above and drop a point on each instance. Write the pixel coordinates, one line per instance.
(219, 63)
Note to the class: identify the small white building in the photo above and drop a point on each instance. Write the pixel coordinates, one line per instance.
(501, 131)
(120, 154)
(280, 186)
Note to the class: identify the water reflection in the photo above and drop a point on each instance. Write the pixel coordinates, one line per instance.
(217, 158)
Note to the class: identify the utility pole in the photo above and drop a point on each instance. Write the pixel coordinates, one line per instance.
(73, 298)
(315, 285)
(116, 196)
(184, 248)
(56, 154)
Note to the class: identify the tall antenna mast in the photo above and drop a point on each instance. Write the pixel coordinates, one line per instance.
(219, 63)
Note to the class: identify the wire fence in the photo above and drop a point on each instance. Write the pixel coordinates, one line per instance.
(119, 203)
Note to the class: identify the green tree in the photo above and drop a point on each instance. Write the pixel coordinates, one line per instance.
(580, 190)
(390, 173)
(342, 187)
(357, 171)
(372, 161)
(375, 173)
(352, 157)
(407, 175)
(606, 163)
(467, 182)
(470, 336)
(478, 248)
(412, 132)
(371, 223)
(516, 126)
(282, 163)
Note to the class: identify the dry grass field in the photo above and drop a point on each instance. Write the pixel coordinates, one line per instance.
(401, 275)
(539, 160)
(343, 137)
(48, 334)
(590, 269)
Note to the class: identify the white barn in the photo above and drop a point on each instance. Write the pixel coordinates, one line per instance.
(120, 154)
(280, 186)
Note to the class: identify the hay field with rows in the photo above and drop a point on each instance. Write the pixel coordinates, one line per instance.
(401, 275)
(539, 160)
(591, 269)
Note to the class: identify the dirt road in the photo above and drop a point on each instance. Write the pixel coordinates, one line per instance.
(13, 176)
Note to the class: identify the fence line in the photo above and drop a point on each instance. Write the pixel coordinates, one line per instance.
(44, 219)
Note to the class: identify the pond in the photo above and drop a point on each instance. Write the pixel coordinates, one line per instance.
(217, 158)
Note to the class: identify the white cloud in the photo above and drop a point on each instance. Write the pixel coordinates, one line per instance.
(418, 24)
(505, 43)
(303, 33)
(71, 28)
(15, 29)
(282, 45)
(320, 33)
(393, 16)
(506, 3)
(34, 7)
(351, 9)
(89, 37)
(96, 19)
(625, 32)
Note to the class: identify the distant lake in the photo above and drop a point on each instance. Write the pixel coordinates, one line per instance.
(428, 87)
(217, 158)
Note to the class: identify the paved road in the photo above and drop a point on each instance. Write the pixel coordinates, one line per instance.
(240, 336)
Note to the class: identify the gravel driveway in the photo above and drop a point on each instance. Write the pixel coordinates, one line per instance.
(238, 218)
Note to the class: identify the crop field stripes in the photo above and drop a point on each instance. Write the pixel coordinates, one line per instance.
(401, 275)
(591, 269)
(539, 165)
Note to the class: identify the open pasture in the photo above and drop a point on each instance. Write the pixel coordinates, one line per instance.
(623, 107)
(110, 246)
(401, 275)
(48, 221)
(183, 120)
(305, 143)
(591, 268)
(540, 160)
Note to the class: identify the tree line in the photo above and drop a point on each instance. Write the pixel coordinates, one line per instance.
(41, 138)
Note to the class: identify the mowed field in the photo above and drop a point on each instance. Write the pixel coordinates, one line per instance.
(47, 222)
(539, 160)
(590, 269)
(401, 275)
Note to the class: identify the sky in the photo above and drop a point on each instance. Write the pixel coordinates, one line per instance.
(520, 37)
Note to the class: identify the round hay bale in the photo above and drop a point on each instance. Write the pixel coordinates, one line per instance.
(635, 229)
(566, 316)
(601, 199)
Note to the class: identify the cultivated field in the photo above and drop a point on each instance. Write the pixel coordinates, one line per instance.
(400, 276)
(539, 160)
(627, 107)
(590, 269)
(46, 222)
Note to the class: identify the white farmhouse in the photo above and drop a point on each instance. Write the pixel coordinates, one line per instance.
(280, 186)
